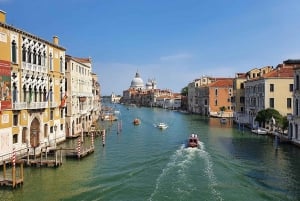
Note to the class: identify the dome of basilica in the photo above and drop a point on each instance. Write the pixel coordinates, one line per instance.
(137, 82)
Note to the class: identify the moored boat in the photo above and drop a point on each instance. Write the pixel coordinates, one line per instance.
(193, 141)
(260, 131)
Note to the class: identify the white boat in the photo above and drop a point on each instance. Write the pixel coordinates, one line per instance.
(117, 112)
(162, 125)
(260, 131)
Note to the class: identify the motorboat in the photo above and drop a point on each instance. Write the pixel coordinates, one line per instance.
(260, 131)
(162, 125)
(193, 141)
(136, 121)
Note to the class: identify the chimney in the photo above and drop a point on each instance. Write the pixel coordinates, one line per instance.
(2, 17)
(55, 40)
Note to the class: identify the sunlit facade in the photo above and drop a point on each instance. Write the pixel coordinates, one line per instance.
(32, 98)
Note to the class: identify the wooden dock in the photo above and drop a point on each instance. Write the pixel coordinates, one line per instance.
(44, 163)
(12, 178)
(47, 158)
(75, 154)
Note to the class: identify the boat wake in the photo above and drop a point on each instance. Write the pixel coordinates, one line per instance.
(181, 178)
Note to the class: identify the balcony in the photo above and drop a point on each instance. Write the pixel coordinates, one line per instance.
(37, 105)
(32, 105)
(19, 106)
(34, 67)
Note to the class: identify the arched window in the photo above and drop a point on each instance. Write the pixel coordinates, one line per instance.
(39, 58)
(14, 92)
(51, 95)
(45, 96)
(24, 93)
(24, 53)
(44, 59)
(35, 91)
(14, 51)
(50, 62)
(34, 56)
(61, 93)
(40, 94)
(29, 55)
(61, 64)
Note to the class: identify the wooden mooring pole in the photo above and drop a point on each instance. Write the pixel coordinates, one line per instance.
(4, 170)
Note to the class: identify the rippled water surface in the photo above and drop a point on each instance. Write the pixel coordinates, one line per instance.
(145, 163)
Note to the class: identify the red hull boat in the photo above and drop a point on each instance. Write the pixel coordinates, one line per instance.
(193, 141)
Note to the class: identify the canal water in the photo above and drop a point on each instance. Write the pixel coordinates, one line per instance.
(144, 163)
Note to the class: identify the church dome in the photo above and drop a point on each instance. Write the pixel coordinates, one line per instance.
(137, 82)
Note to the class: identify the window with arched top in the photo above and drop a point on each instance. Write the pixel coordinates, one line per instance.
(44, 59)
(14, 92)
(61, 64)
(39, 58)
(51, 95)
(14, 51)
(24, 53)
(24, 93)
(34, 56)
(29, 55)
(50, 61)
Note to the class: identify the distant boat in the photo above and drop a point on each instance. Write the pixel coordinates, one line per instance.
(260, 131)
(136, 121)
(161, 125)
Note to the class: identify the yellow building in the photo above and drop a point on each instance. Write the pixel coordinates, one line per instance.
(32, 94)
(273, 89)
(238, 100)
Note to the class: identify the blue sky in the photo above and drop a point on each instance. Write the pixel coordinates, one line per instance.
(172, 41)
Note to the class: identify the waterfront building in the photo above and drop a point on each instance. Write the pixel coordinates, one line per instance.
(195, 105)
(169, 101)
(96, 91)
(238, 99)
(81, 97)
(294, 118)
(114, 98)
(270, 90)
(219, 95)
(33, 92)
(207, 94)
(149, 95)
